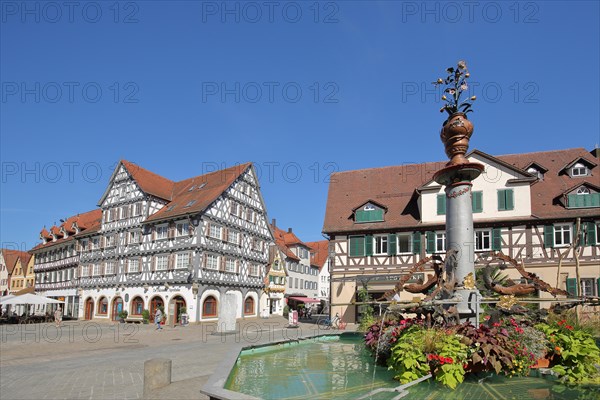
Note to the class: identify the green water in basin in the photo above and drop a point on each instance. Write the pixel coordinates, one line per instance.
(334, 367)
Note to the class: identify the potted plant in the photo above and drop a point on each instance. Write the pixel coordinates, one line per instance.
(146, 316)
(183, 317)
(457, 129)
(123, 316)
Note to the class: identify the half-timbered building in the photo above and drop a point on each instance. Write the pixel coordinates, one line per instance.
(540, 208)
(302, 281)
(56, 263)
(179, 245)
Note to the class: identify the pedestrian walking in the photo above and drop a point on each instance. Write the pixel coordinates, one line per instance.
(58, 317)
(158, 318)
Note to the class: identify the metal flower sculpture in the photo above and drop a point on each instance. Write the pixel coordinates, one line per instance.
(456, 85)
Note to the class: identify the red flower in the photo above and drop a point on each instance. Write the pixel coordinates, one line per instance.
(496, 324)
(569, 327)
(403, 322)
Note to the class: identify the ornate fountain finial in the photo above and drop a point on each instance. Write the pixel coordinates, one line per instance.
(457, 129)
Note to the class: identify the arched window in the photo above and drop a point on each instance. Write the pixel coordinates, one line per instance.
(209, 308)
(103, 306)
(137, 306)
(579, 170)
(249, 306)
(583, 190)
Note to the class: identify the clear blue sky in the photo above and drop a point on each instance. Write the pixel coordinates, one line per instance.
(300, 89)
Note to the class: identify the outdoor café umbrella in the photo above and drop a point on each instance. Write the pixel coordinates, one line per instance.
(28, 298)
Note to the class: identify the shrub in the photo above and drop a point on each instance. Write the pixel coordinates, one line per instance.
(146, 315)
(123, 314)
(286, 311)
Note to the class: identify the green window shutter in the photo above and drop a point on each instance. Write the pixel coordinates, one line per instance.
(510, 203)
(595, 199)
(441, 204)
(369, 245)
(590, 237)
(548, 236)
(501, 200)
(377, 215)
(359, 216)
(598, 287)
(357, 246)
(477, 200)
(496, 239)
(572, 286)
(416, 242)
(391, 244)
(430, 242)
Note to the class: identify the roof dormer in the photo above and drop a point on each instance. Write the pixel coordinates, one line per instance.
(580, 167)
(537, 170)
(585, 195)
(369, 212)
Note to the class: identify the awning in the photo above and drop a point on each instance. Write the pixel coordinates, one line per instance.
(305, 299)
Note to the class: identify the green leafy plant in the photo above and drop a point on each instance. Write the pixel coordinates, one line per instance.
(123, 314)
(407, 358)
(146, 315)
(576, 352)
(286, 311)
(490, 347)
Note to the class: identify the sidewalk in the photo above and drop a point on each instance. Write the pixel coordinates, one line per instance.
(97, 360)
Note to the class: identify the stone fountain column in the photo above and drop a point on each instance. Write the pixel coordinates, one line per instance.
(457, 177)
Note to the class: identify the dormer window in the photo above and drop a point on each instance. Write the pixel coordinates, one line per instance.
(579, 170)
(368, 213)
(535, 172)
(583, 190)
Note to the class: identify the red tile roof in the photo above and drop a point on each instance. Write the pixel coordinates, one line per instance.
(150, 182)
(319, 252)
(395, 187)
(195, 194)
(279, 236)
(11, 257)
(87, 222)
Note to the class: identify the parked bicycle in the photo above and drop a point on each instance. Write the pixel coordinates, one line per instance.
(328, 323)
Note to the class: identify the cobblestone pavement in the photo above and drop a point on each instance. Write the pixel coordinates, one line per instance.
(99, 360)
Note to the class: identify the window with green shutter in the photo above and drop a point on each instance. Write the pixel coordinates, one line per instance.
(369, 245)
(416, 242)
(477, 200)
(505, 200)
(590, 234)
(548, 236)
(572, 286)
(368, 213)
(583, 200)
(441, 204)
(496, 239)
(357, 246)
(391, 244)
(430, 236)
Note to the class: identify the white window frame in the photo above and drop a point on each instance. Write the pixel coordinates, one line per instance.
(110, 268)
(559, 233)
(585, 291)
(137, 209)
(253, 270)
(162, 232)
(380, 245)
(579, 170)
(183, 260)
(440, 237)
(409, 236)
(234, 237)
(182, 228)
(133, 265)
(96, 269)
(583, 190)
(134, 237)
(480, 237)
(215, 231)
(162, 262)
(212, 262)
(230, 265)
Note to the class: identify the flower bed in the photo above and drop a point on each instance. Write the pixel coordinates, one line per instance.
(507, 346)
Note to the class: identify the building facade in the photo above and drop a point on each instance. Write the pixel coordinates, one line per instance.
(319, 258)
(537, 207)
(179, 246)
(57, 260)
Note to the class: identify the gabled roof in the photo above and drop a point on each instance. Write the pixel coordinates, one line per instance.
(537, 166)
(319, 252)
(12, 256)
(280, 241)
(582, 160)
(396, 188)
(194, 195)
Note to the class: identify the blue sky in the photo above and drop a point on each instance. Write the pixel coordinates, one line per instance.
(300, 88)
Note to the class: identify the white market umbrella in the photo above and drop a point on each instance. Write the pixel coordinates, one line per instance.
(29, 298)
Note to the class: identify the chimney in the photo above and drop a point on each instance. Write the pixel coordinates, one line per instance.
(274, 222)
(289, 230)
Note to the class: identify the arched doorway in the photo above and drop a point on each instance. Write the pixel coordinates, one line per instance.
(179, 304)
(89, 308)
(155, 303)
(137, 306)
(209, 307)
(249, 306)
(116, 308)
